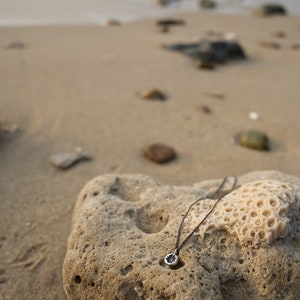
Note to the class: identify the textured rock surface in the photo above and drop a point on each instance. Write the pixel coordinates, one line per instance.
(124, 225)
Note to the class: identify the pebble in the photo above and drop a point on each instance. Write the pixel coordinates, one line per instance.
(280, 34)
(295, 46)
(205, 109)
(159, 153)
(253, 115)
(170, 22)
(113, 22)
(153, 94)
(163, 29)
(205, 64)
(254, 140)
(65, 161)
(18, 45)
(216, 51)
(207, 4)
(270, 10)
(7, 129)
(271, 45)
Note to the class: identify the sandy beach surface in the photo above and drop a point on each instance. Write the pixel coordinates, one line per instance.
(79, 86)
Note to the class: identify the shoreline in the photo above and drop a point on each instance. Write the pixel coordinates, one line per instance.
(95, 15)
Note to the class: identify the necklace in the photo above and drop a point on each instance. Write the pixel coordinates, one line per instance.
(173, 258)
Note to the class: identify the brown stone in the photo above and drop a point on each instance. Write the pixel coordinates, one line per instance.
(205, 64)
(271, 45)
(153, 94)
(159, 153)
(205, 109)
(280, 34)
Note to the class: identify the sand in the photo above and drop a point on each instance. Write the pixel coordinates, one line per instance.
(79, 86)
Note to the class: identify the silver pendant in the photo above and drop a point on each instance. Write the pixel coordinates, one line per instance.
(171, 259)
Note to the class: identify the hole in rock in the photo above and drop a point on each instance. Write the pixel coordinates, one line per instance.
(273, 202)
(271, 222)
(77, 279)
(261, 234)
(151, 221)
(266, 213)
(282, 211)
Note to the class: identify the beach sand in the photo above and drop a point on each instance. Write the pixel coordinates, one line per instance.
(79, 86)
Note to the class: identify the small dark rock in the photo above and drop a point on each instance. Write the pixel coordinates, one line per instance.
(295, 46)
(165, 2)
(163, 29)
(153, 94)
(219, 51)
(270, 10)
(170, 22)
(205, 64)
(113, 22)
(271, 45)
(205, 109)
(159, 153)
(253, 139)
(280, 34)
(17, 45)
(207, 4)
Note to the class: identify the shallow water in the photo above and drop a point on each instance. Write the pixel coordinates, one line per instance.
(58, 12)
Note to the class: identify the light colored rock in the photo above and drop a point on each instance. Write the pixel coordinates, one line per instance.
(65, 161)
(124, 225)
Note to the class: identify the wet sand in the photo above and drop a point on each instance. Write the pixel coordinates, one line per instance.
(79, 86)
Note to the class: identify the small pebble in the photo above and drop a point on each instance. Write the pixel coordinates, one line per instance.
(163, 29)
(153, 94)
(18, 45)
(205, 109)
(7, 129)
(254, 140)
(295, 46)
(204, 64)
(267, 10)
(65, 161)
(159, 153)
(207, 4)
(230, 36)
(112, 22)
(280, 34)
(170, 22)
(253, 115)
(271, 45)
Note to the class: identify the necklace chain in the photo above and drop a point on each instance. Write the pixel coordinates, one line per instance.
(172, 258)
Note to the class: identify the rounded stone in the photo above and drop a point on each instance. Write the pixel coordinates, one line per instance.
(159, 153)
(254, 140)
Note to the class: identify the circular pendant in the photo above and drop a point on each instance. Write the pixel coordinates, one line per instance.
(171, 259)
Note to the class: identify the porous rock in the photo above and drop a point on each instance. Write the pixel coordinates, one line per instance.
(124, 225)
